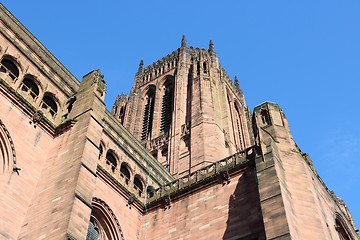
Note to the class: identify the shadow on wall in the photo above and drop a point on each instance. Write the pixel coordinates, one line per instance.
(245, 217)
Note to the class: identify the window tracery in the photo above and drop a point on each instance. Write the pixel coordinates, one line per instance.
(167, 107)
(148, 115)
(103, 224)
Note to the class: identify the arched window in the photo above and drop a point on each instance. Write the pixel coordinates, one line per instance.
(167, 106)
(125, 173)
(238, 126)
(30, 87)
(148, 114)
(138, 185)
(7, 149)
(111, 161)
(341, 228)
(122, 114)
(7, 66)
(103, 224)
(49, 104)
(204, 67)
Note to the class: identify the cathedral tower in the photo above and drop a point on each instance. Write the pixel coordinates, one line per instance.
(186, 110)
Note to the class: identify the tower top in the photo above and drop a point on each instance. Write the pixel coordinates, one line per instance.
(183, 41)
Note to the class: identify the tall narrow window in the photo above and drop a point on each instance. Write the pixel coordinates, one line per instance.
(204, 67)
(122, 114)
(239, 127)
(148, 115)
(167, 108)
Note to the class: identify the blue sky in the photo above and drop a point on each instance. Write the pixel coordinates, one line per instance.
(303, 55)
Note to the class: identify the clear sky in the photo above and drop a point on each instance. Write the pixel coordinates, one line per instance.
(303, 55)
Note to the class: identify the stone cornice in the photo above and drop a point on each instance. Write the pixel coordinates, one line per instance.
(218, 172)
(36, 47)
(144, 159)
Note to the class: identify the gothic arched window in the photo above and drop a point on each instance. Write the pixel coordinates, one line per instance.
(341, 227)
(238, 126)
(103, 224)
(167, 106)
(148, 114)
(7, 150)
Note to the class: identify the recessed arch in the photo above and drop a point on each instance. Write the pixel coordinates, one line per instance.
(167, 104)
(148, 112)
(342, 228)
(125, 172)
(138, 184)
(50, 104)
(111, 159)
(7, 149)
(30, 86)
(104, 221)
(10, 66)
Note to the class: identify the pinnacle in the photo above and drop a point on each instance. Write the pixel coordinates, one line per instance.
(211, 47)
(183, 41)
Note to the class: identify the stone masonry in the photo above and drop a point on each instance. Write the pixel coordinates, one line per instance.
(180, 157)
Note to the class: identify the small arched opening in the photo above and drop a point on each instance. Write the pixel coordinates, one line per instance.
(49, 104)
(138, 185)
(111, 160)
(125, 173)
(30, 87)
(10, 68)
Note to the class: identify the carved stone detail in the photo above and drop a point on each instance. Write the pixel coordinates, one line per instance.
(100, 82)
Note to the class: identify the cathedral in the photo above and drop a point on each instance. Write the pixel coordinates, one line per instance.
(180, 157)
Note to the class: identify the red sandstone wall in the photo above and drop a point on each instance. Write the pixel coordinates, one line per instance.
(129, 217)
(229, 211)
(31, 145)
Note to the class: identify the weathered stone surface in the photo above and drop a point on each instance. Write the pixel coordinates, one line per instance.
(181, 157)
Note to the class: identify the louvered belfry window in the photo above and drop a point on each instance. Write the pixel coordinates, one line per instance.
(166, 109)
(148, 116)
